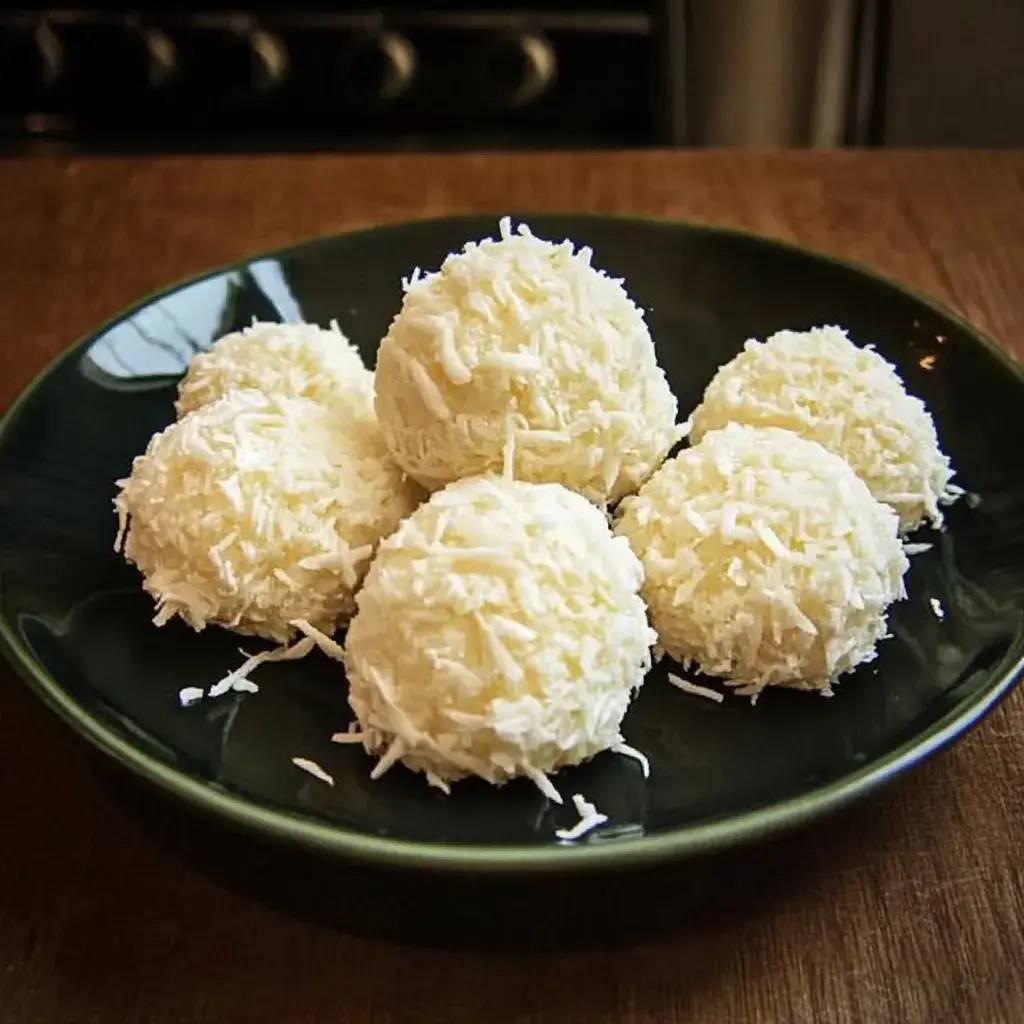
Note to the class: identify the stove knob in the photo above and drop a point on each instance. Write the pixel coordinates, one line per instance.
(519, 67)
(269, 61)
(378, 68)
(233, 61)
(163, 57)
(31, 64)
(109, 61)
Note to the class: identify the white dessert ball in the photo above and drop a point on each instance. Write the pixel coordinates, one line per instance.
(256, 510)
(767, 560)
(499, 633)
(521, 344)
(295, 360)
(822, 386)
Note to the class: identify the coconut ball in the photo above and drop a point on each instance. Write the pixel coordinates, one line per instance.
(822, 386)
(521, 345)
(767, 560)
(499, 633)
(296, 360)
(256, 510)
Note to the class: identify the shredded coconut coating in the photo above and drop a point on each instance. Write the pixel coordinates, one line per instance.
(524, 334)
(819, 384)
(260, 509)
(295, 360)
(499, 633)
(767, 560)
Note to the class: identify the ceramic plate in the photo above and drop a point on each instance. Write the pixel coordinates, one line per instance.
(76, 625)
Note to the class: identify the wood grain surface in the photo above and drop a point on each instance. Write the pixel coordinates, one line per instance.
(908, 909)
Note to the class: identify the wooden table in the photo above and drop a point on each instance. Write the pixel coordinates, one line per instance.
(908, 909)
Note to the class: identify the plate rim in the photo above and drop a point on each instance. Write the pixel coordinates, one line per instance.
(702, 837)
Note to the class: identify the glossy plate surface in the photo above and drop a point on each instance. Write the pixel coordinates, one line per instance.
(76, 625)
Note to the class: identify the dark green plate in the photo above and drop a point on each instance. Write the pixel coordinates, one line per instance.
(76, 625)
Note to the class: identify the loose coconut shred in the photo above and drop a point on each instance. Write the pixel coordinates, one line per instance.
(590, 818)
(917, 549)
(695, 689)
(312, 768)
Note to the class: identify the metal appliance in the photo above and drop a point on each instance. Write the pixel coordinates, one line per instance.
(580, 73)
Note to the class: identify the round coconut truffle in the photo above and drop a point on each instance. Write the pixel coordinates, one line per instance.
(521, 344)
(767, 560)
(822, 386)
(499, 633)
(256, 510)
(295, 360)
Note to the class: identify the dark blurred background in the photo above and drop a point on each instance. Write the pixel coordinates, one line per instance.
(572, 73)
